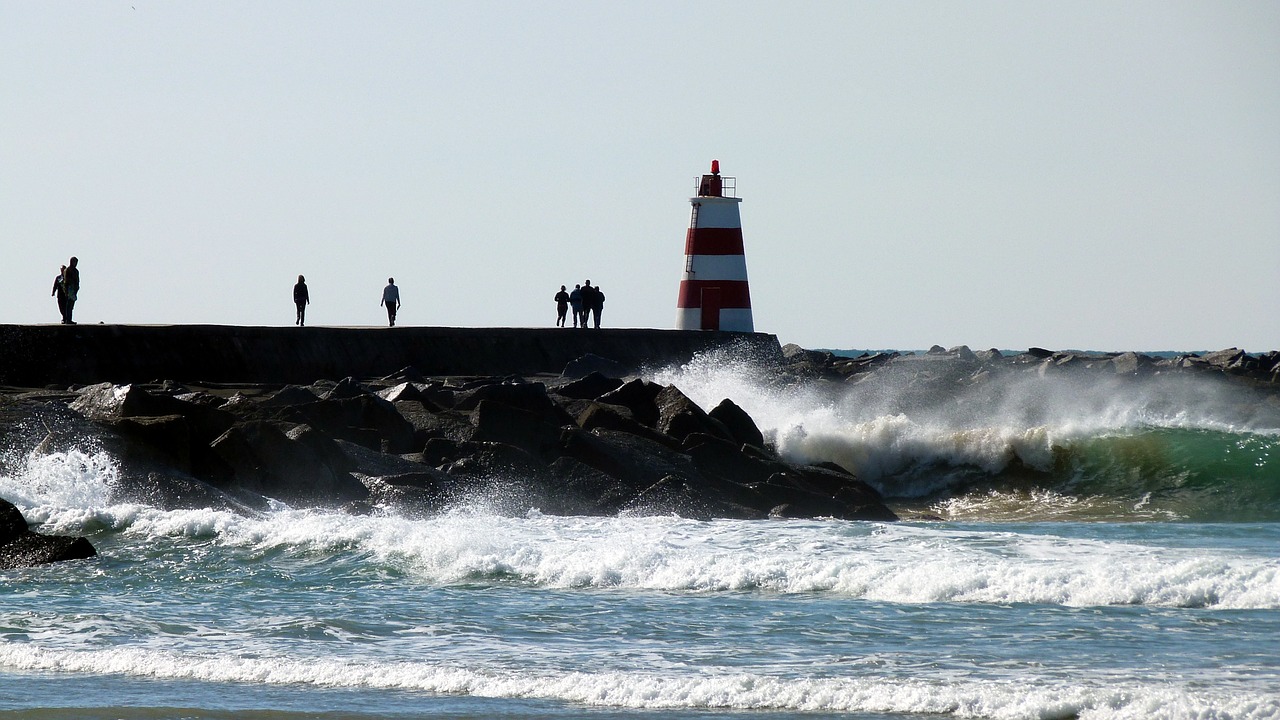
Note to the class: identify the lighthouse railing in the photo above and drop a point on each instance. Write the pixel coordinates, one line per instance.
(728, 186)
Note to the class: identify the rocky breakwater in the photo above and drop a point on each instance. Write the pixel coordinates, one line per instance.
(1243, 388)
(594, 445)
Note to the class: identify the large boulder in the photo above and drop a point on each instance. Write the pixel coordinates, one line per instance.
(742, 429)
(264, 460)
(679, 417)
(537, 433)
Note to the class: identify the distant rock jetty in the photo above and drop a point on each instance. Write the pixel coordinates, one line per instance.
(1260, 371)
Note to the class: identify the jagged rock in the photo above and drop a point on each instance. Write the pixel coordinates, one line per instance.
(403, 391)
(637, 461)
(1131, 364)
(265, 461)
(742, 429)
(365, 418)
(580, 489)
(639, 396)
(533, 432)
(345, 389)
(287, 396)
(678, 416)
(675, 495)
(589, 387)
(616, 417)
(21, 547)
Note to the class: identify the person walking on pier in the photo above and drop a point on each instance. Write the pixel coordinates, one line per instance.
(391, 299)
(562, 306)
(71, 286)
(301, 298)
(60, 291)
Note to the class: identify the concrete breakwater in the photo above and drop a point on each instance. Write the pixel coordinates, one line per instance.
(39, 355)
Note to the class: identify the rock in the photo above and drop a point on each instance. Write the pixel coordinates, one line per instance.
(265, 461)
(1131, 364)
(288, 396)
(589, 387)
(534, 432)
(364, 418)
(674, 495)
(742, 429)
(403, 391)
(639, 397)
(21, 547)
(678, 416)
(618, 418)
(590, 363)
(580, 489)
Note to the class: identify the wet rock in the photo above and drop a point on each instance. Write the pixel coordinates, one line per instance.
(21, 547)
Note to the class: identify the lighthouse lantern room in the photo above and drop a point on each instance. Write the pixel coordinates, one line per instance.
(713, 289)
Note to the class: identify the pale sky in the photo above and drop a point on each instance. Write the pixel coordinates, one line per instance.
(1093, 175)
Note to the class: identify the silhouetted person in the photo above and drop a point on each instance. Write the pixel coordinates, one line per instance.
(597, 307)
(562, 306)
(301, 298)
(61, 292)
(588, 301)
(575, 302)
(71, 285)
(391, 298)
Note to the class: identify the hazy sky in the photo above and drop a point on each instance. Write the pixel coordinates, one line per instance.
(1101, 175)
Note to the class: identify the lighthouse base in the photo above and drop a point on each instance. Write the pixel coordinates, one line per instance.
(711, 318)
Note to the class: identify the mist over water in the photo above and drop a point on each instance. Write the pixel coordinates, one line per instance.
(1021, 445)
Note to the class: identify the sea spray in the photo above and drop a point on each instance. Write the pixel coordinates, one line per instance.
(1159, 447)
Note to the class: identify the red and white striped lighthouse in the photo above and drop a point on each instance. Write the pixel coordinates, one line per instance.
(713, 290)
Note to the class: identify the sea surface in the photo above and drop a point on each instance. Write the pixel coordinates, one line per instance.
(1072, 552)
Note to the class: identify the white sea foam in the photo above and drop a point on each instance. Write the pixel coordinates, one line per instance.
(881, 562)
(954, 697)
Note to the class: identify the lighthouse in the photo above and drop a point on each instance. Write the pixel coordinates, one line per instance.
(713, 289)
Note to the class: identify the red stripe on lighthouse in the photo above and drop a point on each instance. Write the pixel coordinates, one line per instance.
(713, 241)
(733, 293)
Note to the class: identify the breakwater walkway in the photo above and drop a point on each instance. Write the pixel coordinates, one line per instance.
(40, 355)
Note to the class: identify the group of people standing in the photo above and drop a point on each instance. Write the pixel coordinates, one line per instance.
(586, 302)
(66, 286)
(302, 298)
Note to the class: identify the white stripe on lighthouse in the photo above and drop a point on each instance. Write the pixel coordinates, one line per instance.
(718, 212)
(717, 267)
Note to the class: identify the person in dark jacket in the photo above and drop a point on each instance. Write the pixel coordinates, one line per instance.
(60, 291)
(71, 286)
(598, 306)
(562, 306)
(301, 298)
(575, 303)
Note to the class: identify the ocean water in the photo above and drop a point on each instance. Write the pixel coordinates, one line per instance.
(1099, 554)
